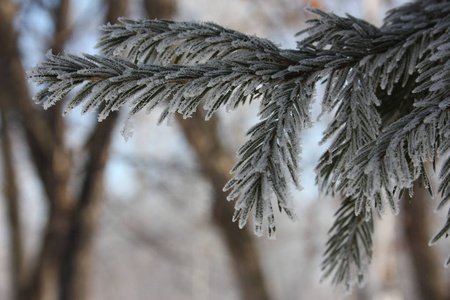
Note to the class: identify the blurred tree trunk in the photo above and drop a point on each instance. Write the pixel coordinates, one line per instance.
(76, 261)
(17, 103)
(430, 283)
(216, 163)
(160, 9)
(12, 207)
(62, 263)
(54, 169)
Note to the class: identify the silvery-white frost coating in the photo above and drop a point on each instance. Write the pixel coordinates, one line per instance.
(387, 88)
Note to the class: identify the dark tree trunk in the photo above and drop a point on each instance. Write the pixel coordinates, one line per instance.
(62, 263)
(12, 208)
(48, 161)
(428, 277)
(215, 164)
(76, 261)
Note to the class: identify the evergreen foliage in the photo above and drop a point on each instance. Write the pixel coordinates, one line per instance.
(387, 89)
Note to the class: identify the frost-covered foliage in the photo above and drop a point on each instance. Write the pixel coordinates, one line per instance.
(388, 89)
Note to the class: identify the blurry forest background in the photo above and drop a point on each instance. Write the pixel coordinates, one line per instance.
(86, 215)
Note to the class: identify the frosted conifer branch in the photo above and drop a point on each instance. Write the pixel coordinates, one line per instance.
(166, 42)
(349, 249)
(115, 82)
(387, 88)
(444, 187)
(369, 167)
(268, 162)
(270, 158)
